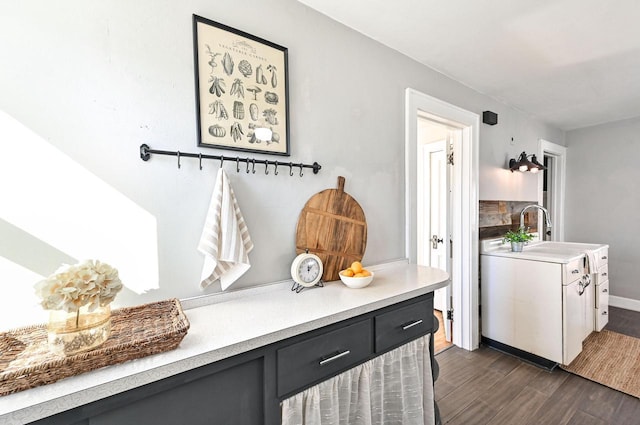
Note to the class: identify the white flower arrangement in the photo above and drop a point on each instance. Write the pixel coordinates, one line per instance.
(87, 283)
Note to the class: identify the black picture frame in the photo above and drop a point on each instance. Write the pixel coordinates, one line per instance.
(242, 85)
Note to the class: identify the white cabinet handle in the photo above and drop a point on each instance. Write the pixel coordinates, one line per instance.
(336, 357)
(412, 324)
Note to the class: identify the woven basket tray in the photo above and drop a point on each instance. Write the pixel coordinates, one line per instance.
(26, 362)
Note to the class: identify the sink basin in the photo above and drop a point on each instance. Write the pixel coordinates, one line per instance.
(562, 246)
(555, 252)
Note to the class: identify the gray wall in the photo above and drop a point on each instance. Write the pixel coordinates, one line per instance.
(602, 197)
(95, 79)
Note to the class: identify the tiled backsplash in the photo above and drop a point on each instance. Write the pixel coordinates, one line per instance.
(496, 217)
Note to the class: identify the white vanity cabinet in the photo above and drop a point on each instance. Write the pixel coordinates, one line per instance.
(601, 315)
(537, 307)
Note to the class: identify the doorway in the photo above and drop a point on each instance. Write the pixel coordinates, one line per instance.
(551, 186)
(462, 225)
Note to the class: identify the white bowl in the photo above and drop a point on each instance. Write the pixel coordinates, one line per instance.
(356, 282)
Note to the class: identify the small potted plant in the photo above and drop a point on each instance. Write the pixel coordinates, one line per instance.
(518, 238)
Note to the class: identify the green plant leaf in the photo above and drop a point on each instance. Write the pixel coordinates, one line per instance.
(520, 235)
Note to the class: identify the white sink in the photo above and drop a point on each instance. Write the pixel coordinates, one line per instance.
(562, 246)
(554, 252)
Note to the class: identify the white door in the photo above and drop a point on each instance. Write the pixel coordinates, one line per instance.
(573, 321)
(435, 160)
(436, 235)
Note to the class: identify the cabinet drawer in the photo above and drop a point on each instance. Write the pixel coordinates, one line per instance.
(602, 295)
(573, 271)
(403, 324)
(313, 360)
(602, 305)
(603, 274)
(602, 257)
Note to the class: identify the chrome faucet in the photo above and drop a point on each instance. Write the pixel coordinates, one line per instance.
(544, 210)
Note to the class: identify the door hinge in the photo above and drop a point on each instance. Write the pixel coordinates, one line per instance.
(450, 314)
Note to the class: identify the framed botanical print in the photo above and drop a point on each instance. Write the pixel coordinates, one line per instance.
(242, 98)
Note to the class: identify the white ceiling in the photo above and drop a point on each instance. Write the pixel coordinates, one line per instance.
(571, 63)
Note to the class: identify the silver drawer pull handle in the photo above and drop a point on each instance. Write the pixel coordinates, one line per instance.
(604, 274)
(412, 324)
(605, 290)
(576, 271)
(336, 357)
(604, 257)
(604, 313)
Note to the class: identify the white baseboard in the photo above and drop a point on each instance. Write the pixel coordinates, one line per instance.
(626, 303)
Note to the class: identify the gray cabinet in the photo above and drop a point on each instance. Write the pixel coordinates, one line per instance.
(230, 396)
(227, 392)
(248, 388)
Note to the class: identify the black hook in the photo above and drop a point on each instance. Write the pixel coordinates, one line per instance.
(301, 170)
(178, 155)
(221, 161)
(290, 169)
(200, 160)
(253, 166)
(237, 164)
(144, 154)
(247, 161)
(276, 169)
(266, 167)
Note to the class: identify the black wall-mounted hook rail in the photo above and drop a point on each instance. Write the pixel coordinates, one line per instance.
(146, 152)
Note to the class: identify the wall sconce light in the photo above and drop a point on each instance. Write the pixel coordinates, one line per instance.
(524, 164)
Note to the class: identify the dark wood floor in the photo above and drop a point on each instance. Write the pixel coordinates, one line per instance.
(623, 321)
(488, 387)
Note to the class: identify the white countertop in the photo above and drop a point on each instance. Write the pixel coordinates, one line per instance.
(550, 252)
(229, 324)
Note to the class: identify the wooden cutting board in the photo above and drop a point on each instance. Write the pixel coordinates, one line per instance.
(333, 226)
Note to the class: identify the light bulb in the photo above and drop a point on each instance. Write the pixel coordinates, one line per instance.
(523, 168)
(534, 170)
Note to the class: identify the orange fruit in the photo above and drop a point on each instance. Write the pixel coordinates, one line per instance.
(365, 272)
(359, 275)
(347, 273)
(356, 266)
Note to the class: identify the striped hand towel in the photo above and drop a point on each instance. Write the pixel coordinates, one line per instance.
(225, 240)
(591, 261)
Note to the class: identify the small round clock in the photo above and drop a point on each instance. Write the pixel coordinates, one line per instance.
(306, 269)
